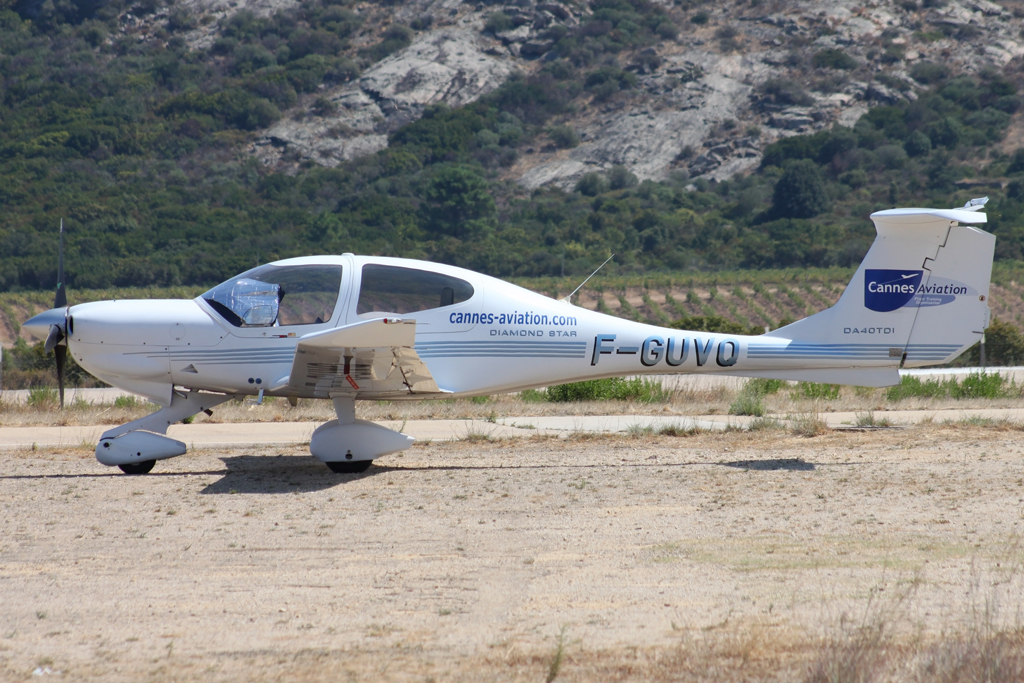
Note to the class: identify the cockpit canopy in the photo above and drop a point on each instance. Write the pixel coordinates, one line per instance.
(278, 295)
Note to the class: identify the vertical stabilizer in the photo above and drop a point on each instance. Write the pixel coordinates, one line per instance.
(920, 297)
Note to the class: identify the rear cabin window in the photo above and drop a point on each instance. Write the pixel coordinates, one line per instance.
(392, 289)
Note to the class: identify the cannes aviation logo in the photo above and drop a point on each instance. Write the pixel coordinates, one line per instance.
(887, 290)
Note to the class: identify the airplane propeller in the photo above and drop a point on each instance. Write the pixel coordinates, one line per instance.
(56, 340)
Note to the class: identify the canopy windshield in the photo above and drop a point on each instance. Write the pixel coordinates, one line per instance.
(278, 295)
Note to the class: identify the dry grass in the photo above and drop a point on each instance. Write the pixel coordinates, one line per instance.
(881, 643)
(809, 424)
(688, 398)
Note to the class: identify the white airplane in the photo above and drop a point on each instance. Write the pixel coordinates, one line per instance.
(353, 328)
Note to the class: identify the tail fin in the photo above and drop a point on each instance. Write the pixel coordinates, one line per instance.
(920, 297)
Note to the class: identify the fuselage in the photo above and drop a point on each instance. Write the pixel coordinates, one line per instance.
(487, 337)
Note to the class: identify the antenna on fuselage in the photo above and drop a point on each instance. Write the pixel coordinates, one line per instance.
(568, 299)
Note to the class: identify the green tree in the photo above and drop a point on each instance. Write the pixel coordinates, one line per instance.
(1016, 161)
(1004, 346)
(458, 202)
(917, 144)
(945, 132)
(800, 192)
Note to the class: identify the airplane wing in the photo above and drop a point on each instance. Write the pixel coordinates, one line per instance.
(369, 359)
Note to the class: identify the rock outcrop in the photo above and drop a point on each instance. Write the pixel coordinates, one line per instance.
(447, 66)
(706, 103)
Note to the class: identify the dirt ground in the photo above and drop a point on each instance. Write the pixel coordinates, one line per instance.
(736, 556)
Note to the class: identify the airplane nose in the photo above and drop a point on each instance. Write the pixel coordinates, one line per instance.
(39, 326)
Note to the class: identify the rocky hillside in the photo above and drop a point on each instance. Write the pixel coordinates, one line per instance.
(721, 81)
(184, 142)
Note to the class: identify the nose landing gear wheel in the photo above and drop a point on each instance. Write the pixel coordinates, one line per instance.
(143, 467)
(344, 467)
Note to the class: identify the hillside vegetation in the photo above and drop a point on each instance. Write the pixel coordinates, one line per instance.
(136, 139)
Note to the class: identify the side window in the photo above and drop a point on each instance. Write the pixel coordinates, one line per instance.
(309, 294)
(278, 295)
(392, 289)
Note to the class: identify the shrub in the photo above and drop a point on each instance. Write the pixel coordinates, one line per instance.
(834, 58)
(620, 178)
(306, 74)
(762, 424)
(809, 425)
(498, 22)
(813, 390)
(395, 38)
(974, 385)
(785, 92)
(127, 401)
(750, 400)
(748, 403)
(712, 323)
(913, 387)
(533, 396)
(592, 184)
(42, 398)
(855, 178)
(421, 23)
(681, 429)
(666, 30)
(614, 388)
(928, 72)
(979, 385)
(323, 107)
(608, 80)
(234, 106)
(764, 387)
(564, 137)
(248, 58)
(180, 19)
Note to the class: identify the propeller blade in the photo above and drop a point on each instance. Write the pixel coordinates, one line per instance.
(54, 338)
(60, 299)
(60, 353)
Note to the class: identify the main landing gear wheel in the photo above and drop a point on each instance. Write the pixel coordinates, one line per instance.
(144, 467)
(345, 467)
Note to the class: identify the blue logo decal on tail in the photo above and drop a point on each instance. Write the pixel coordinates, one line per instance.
(887, 290)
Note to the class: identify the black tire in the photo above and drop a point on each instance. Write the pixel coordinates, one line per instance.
(144, 467)
(349, 467)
